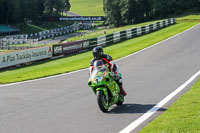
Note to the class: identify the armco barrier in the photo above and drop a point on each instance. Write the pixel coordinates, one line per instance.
(109, 39)
(130, 33)
(14, 40)
(59, 31)
(55, 32)
(73, 47)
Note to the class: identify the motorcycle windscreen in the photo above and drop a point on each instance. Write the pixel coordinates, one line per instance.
(98, 70)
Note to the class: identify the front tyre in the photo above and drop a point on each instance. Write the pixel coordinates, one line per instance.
(101, 100)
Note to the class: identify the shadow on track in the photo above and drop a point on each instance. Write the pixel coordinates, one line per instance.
(132, 108)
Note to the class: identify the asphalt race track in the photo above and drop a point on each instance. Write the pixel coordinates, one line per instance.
(65, 104)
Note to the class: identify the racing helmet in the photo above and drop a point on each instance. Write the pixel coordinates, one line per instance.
(98, 52)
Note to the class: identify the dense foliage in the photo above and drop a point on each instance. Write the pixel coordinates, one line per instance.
(121, 12)
(19, 11)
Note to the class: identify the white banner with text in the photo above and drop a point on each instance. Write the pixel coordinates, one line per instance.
(23, 56)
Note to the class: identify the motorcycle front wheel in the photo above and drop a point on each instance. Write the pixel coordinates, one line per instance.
(101, 100)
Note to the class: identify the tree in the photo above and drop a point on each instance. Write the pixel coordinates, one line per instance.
(40, 7)
(111, 9)
(19, 11)
(163, 8)
(128, 11)
(55, 7)
(67, 5)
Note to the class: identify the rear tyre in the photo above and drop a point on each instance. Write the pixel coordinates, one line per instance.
(101, 100)
(121, 100)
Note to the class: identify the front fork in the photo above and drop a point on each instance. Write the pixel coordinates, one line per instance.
(105, 91)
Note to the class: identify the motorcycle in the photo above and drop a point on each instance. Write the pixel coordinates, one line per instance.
(104, 86)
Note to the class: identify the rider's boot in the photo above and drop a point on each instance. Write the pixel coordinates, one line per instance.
(122, 91)
(118, 79)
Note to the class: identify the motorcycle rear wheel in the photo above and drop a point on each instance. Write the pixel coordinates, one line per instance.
(101, 100)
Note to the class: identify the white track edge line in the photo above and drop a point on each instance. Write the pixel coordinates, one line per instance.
(54, 76)
(149, 113)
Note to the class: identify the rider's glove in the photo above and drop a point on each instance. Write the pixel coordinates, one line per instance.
(117, 77)
(112, 74)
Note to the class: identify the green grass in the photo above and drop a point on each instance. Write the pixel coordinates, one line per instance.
(87, 7)
(189, 17)
(5, 51)
(98, 22)
(80, 61)
(31, 28)
(181, 117)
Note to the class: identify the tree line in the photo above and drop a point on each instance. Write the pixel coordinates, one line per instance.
(121, 12)
(20, 11)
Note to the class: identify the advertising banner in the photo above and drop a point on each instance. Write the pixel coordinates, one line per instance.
(57, 49)
(23, 56)
(82, 18)
(73, 47)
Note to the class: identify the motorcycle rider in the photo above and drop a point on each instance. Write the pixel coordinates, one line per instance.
(98, 54)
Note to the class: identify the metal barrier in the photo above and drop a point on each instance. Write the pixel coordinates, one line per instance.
(130, 33)
(14, 40)
(54, 32)
(73, 47)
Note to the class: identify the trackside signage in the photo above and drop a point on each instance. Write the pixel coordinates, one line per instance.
(19, 57)
(73, 47)
(82, 18)
(57, 49)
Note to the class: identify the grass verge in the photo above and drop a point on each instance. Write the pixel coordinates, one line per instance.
(79, 61)
(189, 17)
(87, 7)
(181, 117)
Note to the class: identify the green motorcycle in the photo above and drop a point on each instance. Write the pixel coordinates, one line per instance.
(104, 86)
